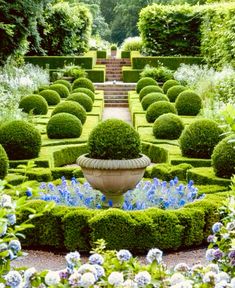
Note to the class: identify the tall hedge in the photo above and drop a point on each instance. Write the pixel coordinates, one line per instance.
(170, 30)
(66, 30)
(218, 30)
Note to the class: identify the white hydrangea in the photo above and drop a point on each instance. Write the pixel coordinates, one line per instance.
(184, 284)
(96, 259)
(74, 279)
(213, 267)
(116, 278)
(210, 277)
(99, 270)
(154, 254)
(130, 284)
(222, 284)
(13, 279)
(181, 267)
(124, 255)
(87, 279)
(232, 283)
(177, 278)
(88, 268)
(143, 278)
(223, 276)
(52, 278)
(6, 201)
(73, 258)
(29, 273)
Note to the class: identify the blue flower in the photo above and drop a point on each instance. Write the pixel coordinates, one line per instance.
(124, 255)
(110, 202)
(216, 227)
(96, 259)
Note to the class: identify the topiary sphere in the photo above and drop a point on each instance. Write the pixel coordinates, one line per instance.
(65, 83)
(114, 139)
(88, 92)
(64, 125)
(20, 139)
(149, 89)
(199, 139)
(4, 163)
(143, 82)
(82, 99)
(51, 96)
(157, 109)
(152, 98)
(223, 158)
(83, 83)
(61, 89)
(35, 103)
(168, 126)
(173, 92)
(168, 84)
(43, 87)
(188, 103)
(71, 107)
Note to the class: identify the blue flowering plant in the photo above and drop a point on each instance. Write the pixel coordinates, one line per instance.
(155, 193)
(10, 247)
(222, 240)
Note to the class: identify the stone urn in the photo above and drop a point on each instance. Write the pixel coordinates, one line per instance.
(113, 177)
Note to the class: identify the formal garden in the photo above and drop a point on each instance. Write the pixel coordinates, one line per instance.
(76, 183)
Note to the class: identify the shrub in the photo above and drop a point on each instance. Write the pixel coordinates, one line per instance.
(168, 126)
(43, 87)
(152, 98)
(83, 83)
(82, 99)
(51, 96)
(34, 102)
(143, 82)
(157, 109)
(4, 163)
(149, 89)
(88, 92)
(174, 91)
(61, 89)
(199, 139)
(64, 125)
(132, 44)
(65, 83)
(74, 72)
(20, 139)
(188, 103)
(159, 73)
(114, 139)
(168, 84)
(223, 159)
(71, 107)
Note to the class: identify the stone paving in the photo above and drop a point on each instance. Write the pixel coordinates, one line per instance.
(117, 112)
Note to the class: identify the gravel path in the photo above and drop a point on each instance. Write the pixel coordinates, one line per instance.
(42, 260)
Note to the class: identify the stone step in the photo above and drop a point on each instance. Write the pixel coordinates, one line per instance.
(122, 97)
(111, 90)
(116, 105)
(116, 92)
(115, 101)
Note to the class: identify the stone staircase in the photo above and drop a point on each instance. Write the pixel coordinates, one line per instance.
(115, 91)
(114, 67)
(115, 94)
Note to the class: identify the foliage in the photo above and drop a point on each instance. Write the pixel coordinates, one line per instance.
(71, 107)
(132, 44)
(18, 21)
(160, 73)
(83, 99)
(64, 125)
(114, 139)
(113, 47)
(83, 83)
(61, 89)
(146, 81)
(174, 91)
(168, 126)
(52, 97)
(164, 32)
(159, 108)
(35, 104)
(20, 139)
(199, 138)
(66, 29)
(4, 163)
(74, 72)
(152, 98)
(86, 91)
(149, 89)
(168, 84)
(65, 83)
(188, 103)
(223, 158)
(16, 82)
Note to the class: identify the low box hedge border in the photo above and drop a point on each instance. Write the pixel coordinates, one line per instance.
(79, 228)
(101, 54)
(125, 54)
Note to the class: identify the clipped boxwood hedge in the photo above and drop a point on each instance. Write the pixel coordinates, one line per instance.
(35, 103)
(52, 97)
(174, 91)
(4, 163)
(61, 89)
(152, 98)
(168, 84)
(83, 83)
(149, 89)
(65, 83)
(88, 92)
(159, 108)
(83, 99)
(78, 228)
(188, 103)
(143, 82)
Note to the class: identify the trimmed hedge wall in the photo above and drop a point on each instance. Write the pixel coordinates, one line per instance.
(170, 62)
(97, 74)
(78, 228)
(130, 75)
(125, 54)
(87, 61)
(101, 54)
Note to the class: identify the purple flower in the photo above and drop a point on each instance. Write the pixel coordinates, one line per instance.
(210, 238)
(231, 254)
(216, 227)
(218, 254)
